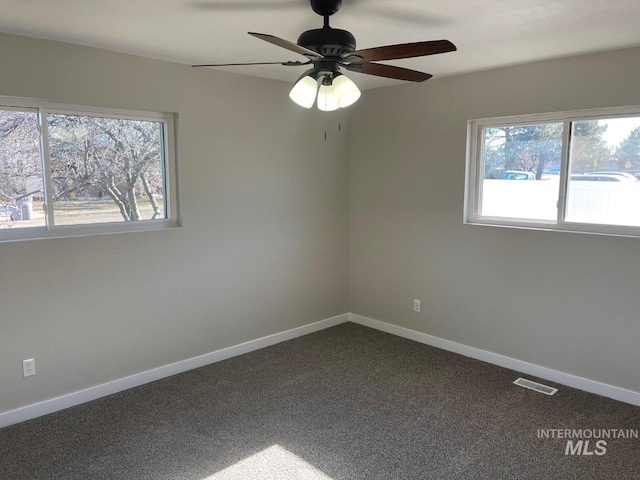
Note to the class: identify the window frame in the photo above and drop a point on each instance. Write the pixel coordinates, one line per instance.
(43, 108)
(475, 166)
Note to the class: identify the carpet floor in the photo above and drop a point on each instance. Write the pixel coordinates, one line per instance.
(348, 402)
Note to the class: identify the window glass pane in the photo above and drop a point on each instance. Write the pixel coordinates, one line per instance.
(521, 171)
(21, 181)
(106, 169)
(604, 166)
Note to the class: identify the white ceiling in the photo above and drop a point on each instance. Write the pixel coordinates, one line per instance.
(488, 33)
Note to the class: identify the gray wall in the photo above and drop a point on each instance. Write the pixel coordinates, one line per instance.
(563, 301)
(264, 246)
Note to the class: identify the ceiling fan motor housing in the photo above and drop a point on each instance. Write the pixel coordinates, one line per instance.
(328, 42)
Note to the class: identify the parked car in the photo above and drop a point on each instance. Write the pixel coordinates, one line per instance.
(601, 177)
(625, 175)
(517, 175)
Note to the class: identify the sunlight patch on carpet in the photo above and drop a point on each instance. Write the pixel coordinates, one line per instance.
(271, 463)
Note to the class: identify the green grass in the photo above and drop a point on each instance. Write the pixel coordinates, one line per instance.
(73, 212)
(81, 212)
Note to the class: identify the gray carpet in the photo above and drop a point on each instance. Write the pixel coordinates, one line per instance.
(348, 402)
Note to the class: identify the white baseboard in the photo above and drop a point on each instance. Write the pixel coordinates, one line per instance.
(567, 379)
(76, 398)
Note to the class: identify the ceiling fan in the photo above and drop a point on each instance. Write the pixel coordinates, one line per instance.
(330, 49)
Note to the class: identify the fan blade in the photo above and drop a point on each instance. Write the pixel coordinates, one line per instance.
(294, 47)
(286, 64)
(389, 71)
(403, 50)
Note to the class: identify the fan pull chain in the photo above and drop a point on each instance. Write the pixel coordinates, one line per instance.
(325, 126)
(326, 130)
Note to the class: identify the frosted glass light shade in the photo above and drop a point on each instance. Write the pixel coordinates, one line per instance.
(327, 101)
(346, 92)
(304, 91)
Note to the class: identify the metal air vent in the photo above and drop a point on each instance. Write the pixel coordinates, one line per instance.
(538, 387)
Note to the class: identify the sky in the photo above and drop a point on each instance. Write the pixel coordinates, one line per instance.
(619, 129)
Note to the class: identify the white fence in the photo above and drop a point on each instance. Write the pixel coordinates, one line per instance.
(615, 203)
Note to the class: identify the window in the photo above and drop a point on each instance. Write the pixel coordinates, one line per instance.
(575, 171)
(69, 170)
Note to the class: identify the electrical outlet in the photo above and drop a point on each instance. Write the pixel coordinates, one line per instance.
(28, 367)
(416, 305)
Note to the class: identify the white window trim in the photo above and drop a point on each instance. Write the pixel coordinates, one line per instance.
(171, 191)
(473, 174)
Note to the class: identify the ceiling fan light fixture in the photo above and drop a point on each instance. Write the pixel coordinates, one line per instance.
(327, 99)
(346, 92)
(304, 91)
